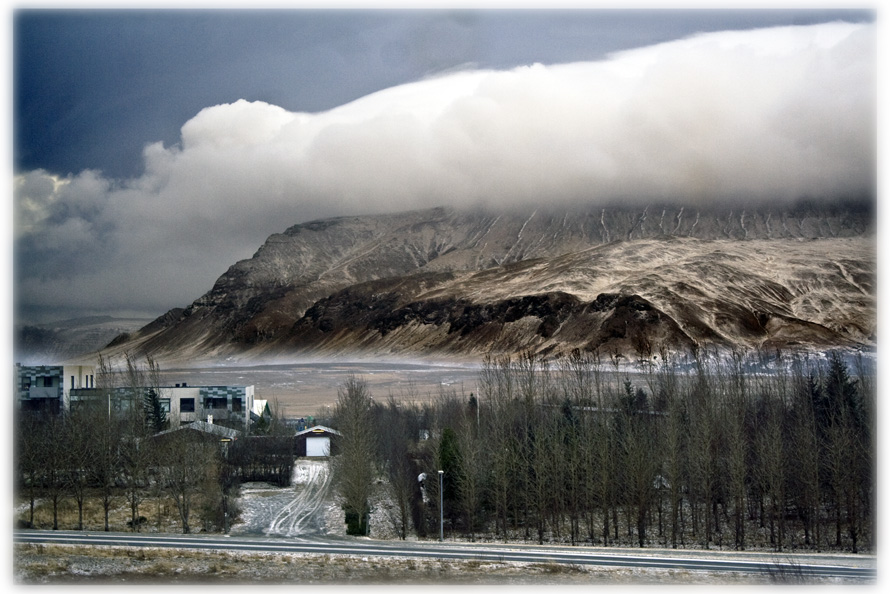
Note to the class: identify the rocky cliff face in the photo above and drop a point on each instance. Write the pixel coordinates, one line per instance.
(461, 283)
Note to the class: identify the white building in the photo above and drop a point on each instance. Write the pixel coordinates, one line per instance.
(317, 441)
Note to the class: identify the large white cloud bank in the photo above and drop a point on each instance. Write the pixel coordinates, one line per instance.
(770, 114)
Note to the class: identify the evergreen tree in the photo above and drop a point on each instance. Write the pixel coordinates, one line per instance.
(353, 467)
(155, 415)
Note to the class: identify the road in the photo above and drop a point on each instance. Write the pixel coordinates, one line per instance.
(691, 561)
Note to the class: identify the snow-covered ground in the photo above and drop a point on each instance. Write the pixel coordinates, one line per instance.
(298, 510)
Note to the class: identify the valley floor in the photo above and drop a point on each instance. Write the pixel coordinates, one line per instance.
(304, 389)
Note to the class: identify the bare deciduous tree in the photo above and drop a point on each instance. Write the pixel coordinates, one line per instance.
(397, 439)
(189, 463)
(472, 474)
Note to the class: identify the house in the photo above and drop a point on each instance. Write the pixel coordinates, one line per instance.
(207, 428)
(318, 441)
(206, 431)
(48, 388)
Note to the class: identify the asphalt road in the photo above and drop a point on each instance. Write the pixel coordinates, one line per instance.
(693, 561)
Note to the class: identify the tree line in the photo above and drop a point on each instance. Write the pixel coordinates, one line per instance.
(735, 451)
(738, 451)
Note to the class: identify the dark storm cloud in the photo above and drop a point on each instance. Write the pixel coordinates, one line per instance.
(770, 114)
(92, 87)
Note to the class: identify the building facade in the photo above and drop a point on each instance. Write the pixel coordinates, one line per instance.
(183, 404)
(56, 389)
(49, 388)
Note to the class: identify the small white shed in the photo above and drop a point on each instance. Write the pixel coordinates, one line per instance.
(315, 442)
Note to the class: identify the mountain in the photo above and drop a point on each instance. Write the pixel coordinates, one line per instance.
(458, 283)
(70, 340)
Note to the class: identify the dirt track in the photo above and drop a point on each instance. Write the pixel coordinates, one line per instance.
(299, 510)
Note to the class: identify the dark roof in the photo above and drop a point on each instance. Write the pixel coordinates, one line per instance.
(208, 428)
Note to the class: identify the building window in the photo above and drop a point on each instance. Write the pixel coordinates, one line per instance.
(236, 404)
(215, 403)
(72, 382)
(186, 405)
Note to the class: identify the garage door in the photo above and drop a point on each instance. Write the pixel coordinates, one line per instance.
(318, 446)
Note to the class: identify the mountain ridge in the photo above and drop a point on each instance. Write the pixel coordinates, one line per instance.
(480, 258)
(70, 340)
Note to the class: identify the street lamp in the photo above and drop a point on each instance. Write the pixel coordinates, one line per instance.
(441, 515)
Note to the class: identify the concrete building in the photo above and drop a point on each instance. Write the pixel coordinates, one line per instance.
(57, 388)
(184, 404)
(217, 403)
(48, 388)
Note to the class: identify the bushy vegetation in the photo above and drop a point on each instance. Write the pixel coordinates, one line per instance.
(738, 451)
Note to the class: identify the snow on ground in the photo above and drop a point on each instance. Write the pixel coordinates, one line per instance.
(293, 511)
(308, 507)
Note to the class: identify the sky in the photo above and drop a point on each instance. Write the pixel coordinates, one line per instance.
(153, 149)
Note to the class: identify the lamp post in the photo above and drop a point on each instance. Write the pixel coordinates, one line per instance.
(441, 514)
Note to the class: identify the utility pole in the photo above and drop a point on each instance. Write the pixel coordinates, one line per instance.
(441, 513)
